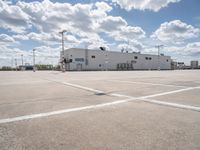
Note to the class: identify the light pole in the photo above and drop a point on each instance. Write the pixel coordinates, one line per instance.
(34, 60)
(22, 59)
(16, 63)
(62, 61)
(159, 47)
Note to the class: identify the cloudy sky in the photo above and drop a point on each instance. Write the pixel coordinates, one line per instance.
(135, 25)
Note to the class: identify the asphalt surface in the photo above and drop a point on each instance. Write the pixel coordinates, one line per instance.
(140, 110)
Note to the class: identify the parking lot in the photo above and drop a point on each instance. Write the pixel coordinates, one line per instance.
(100, 110)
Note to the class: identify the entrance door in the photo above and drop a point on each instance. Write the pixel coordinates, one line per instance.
(67, 66)
(78, 67)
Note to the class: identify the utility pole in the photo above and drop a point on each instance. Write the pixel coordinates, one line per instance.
(63, 57)
(16, 63)
(159, 47)
(22, 59)
(34, 60)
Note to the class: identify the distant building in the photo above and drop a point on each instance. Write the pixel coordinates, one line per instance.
(26, 67)
(174, 65)
(194, 64)
(180, 65)
(85, 59)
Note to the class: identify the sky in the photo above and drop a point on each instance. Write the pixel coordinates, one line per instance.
(133, 25)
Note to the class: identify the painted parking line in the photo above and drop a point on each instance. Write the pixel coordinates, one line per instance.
(98, 92)
(78, 86)
(171, 92)
(122, 95)
(143, 98)
(148, 83)
(33, 116)
(24, 82)
(176, 105)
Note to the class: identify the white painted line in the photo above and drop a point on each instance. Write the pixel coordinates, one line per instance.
(83, 87)
(91, 89)
(120, 95)
(143, 98)
(33, 116)
(172, 104)
(79, 86)
(169, 85)
(24, 82)
(171, 92)
(94, 90)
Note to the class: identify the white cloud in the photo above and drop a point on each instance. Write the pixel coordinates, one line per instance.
(13, 18)
(103, 6)
(44, 55)
(110, 23)
(80, 20)
(8, 55)
(175, 32)
(128, 33)
(118, 28)
(4, 38)
(20, 37)
(190, 49)
(154, 5)
(131, 46)
(53, 17)
(42, 37)
(193, 49)
(85, 23)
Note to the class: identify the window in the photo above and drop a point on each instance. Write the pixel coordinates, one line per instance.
(79, 59)
(167, 60)
(150, 58)
(70, 60)
(92, 56)
(135, 57)
(133, 61)
(99, 65)
(146, 58)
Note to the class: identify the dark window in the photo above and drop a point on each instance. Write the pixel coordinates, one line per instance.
(93, 56)
(133, 61)
(150, 58)
(135, 57)
(65, 60)
(70, 60)
(167, 60)
(146, 58)
(79, 59)
(99, 65)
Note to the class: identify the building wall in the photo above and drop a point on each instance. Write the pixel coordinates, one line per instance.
(194, 64)
(108, 60)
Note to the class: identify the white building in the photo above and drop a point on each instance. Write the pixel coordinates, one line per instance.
(194, 64)
(85, 59)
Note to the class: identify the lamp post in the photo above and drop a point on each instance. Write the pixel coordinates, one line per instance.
(16, 64)
(34, 60)
(22, 59)
(62, 61)
(159, 47)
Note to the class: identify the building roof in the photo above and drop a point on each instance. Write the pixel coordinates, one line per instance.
(114, 51)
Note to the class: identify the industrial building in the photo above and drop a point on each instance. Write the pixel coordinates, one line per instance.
(76, 59)
(194, 64)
